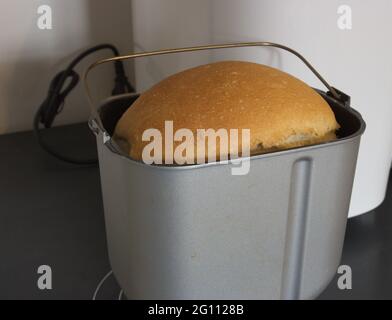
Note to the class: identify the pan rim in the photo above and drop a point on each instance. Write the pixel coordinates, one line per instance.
(356, 135)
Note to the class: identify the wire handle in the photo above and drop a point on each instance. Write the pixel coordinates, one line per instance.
(94, 111)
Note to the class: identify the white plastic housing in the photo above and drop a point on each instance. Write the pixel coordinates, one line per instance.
(356, 60)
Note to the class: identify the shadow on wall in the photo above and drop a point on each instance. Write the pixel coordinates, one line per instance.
(30, 57)
(110, 22)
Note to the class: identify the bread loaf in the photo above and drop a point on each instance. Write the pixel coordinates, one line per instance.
(280, 110)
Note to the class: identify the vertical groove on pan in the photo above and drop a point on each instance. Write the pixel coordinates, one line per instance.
(296, 225)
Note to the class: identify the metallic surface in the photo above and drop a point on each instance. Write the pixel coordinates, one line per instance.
(197, 232)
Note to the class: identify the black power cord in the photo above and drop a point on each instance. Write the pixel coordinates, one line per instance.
(58, 91)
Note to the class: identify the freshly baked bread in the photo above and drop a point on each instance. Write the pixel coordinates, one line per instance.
(280, 110)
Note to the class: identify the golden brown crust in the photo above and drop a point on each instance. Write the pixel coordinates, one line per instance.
(280, 110)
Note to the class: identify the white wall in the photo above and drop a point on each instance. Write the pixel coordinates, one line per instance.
(169, 24)
(30, 57)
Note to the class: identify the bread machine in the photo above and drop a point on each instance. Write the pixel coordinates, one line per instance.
(197, 232)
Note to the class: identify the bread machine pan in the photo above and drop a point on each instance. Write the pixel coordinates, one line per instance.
(198, 232)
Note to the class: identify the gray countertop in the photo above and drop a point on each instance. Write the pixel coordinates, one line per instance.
(51, 214)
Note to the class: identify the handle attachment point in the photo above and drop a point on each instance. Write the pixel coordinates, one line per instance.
(344, 98)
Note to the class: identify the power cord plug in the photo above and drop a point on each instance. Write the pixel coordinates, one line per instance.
(122, 84)
(58, 91)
